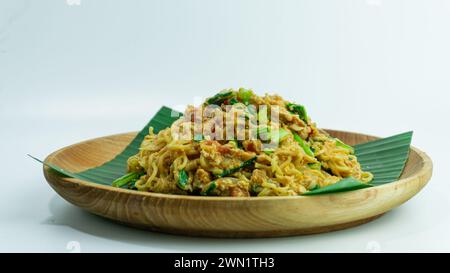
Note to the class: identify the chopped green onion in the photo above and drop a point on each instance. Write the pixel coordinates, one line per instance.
(279, 135)
(304, 145)
(126, 179)
(212, 186)
(341, 144)
(299, 110)
(233, 170)
(256, 188)
(183, 179)
(268, 151)
(245, 95)
(263, 133)
(220, 97)
(233, 101)
(132, 185)
(238, 144)
(315, 166)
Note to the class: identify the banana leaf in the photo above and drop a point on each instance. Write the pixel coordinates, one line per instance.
(385, 158)
(117, 167)
(346, 184)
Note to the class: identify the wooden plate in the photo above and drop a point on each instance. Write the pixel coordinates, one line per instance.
(228, 216)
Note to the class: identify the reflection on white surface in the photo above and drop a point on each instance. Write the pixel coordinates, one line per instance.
(71, 217)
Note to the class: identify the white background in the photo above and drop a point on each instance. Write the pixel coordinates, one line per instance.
(74, 72)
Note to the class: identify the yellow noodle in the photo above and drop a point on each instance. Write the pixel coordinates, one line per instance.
(166, 158)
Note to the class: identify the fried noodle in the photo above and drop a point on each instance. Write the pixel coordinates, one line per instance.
(305, 157)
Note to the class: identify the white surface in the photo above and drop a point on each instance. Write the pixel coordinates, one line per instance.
(74, 72)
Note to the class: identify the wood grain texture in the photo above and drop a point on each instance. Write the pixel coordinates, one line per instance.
(229, 216)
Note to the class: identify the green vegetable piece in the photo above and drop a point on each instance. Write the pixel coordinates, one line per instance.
(183, 179)
(212, 186)
(233, 101)
(268, 151)
(256, 188)
(315, 166)
(279, 135)
(126, 179)
(262, 117)
(132, 185)
(339, 143)
(299, 110)
(220, 97)
(245, 95)
(237, 143)
(263, 133)
(303, 144)
(233, 170)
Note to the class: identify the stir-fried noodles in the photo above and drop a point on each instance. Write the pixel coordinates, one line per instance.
(241, 144)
